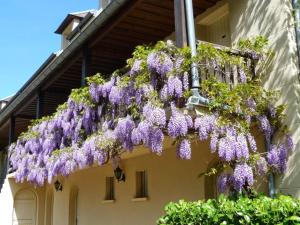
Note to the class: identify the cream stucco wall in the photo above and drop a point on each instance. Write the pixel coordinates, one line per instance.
(274, 20)
(7, 195)
(169, 179)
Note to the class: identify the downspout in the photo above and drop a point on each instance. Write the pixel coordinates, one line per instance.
(196, 98)
(271, 177)
(296, 11)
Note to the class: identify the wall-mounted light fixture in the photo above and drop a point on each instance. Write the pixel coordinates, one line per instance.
(119, 174)
(58, 185)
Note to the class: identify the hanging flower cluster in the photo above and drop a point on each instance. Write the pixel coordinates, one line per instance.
(107, 117)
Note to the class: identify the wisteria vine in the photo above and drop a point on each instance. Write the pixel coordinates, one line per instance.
(142, 106)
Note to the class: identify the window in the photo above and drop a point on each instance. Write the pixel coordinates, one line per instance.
(110, 192)
(141, 185)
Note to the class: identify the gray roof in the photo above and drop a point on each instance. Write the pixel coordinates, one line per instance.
(72, 16)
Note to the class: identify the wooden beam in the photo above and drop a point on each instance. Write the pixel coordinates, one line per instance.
(180, 23)
(57, 90)
(74, 60)
(114, 20)
(40, 104)
(84, 65)
(12, 127)
(25, 117)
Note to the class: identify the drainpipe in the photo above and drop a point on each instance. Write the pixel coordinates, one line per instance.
(196, 98)
(296, 11)
(271, 177)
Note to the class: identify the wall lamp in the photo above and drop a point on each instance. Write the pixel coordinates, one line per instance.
(119, 174)
(58, 186)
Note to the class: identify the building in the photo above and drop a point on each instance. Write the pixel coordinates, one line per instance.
(101, 41)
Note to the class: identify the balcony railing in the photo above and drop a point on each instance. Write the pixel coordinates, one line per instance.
(231, 72)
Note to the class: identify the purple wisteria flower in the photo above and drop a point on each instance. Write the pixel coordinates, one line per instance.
(265, 126)
(115, 95)
(94, 92)
(160, 63)
(185, 81)
(147, 90)
(214, 142)
(156, 116)
(136, 67)
(178, 62)
(152, 137)
(175, 87)
(136, 136)
(123, 132)
(226, 149)
(164, 95)
(189, 121)
(242, 75)
(107, 87)
(277, 157)
(272, 156)
(241, 147)
(282, 156)
(261, 166)
(177, 125)
(252, 142)
(223, 182)
(184, 149)
(205, 125)
(251, 104)
(156, 138)
(242, 176)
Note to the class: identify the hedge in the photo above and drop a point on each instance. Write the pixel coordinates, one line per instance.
(224, 210)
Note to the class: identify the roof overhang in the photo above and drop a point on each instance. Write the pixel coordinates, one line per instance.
(110, 37)
(54, 61)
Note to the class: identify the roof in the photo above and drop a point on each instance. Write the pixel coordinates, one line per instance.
(82, 23)
(6, 99)
(109, 37)
(71, 16)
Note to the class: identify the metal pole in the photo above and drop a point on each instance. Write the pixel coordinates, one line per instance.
(180, 23)
(196, 98)
(192, 41)
(271, 177)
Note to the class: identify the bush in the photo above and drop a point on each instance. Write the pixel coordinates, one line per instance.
(224, 210)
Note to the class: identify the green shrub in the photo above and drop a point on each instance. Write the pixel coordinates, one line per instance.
(224, 210)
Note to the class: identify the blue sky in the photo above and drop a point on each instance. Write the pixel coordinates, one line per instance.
(27, 36)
